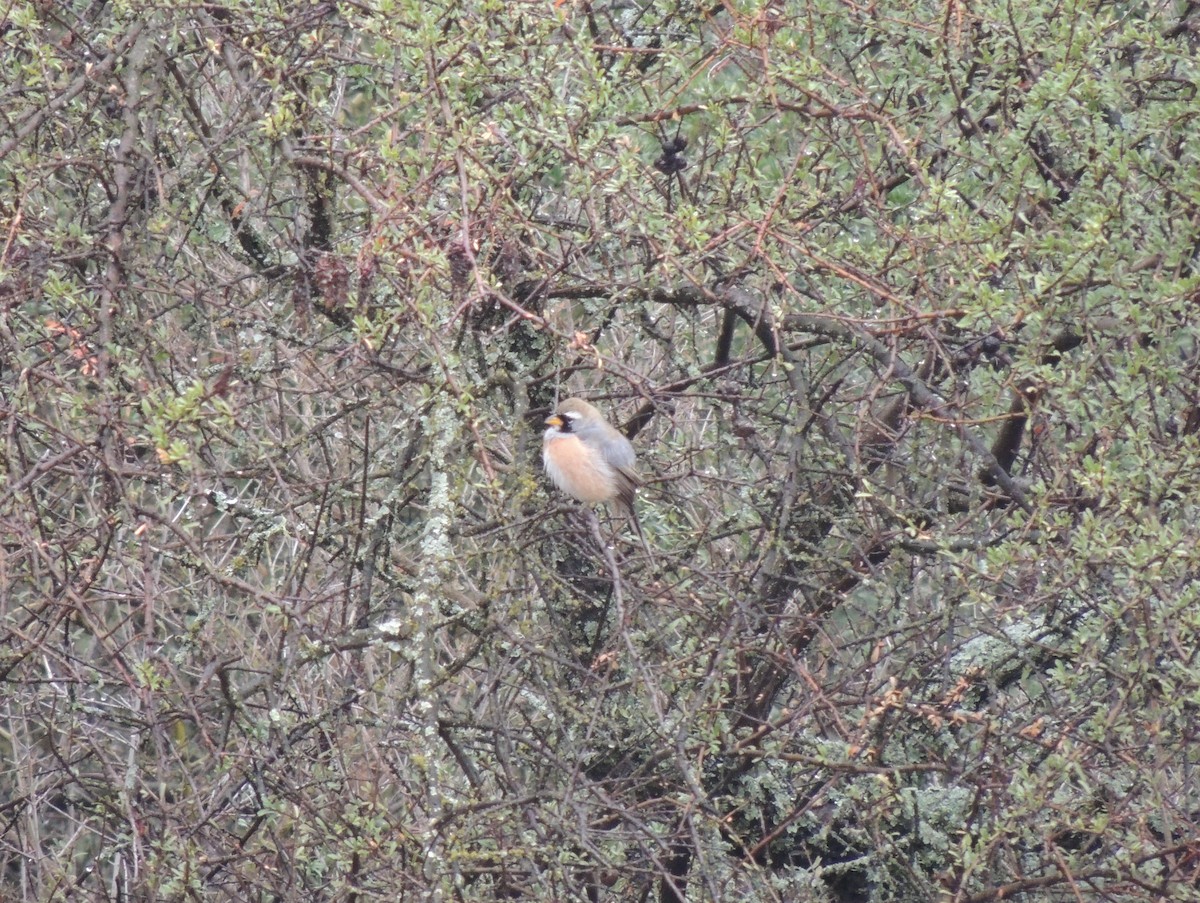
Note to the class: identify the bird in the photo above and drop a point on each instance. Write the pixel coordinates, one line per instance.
(588, 459)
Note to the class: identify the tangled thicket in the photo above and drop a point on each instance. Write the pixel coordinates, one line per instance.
(896, 303)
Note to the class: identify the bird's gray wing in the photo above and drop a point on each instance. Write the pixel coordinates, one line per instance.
(619, 453)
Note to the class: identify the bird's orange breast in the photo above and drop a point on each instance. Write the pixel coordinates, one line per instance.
(576, 471)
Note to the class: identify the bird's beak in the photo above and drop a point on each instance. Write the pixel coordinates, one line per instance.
(553, 420)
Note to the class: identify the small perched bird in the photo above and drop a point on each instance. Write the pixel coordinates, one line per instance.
(586, 458)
